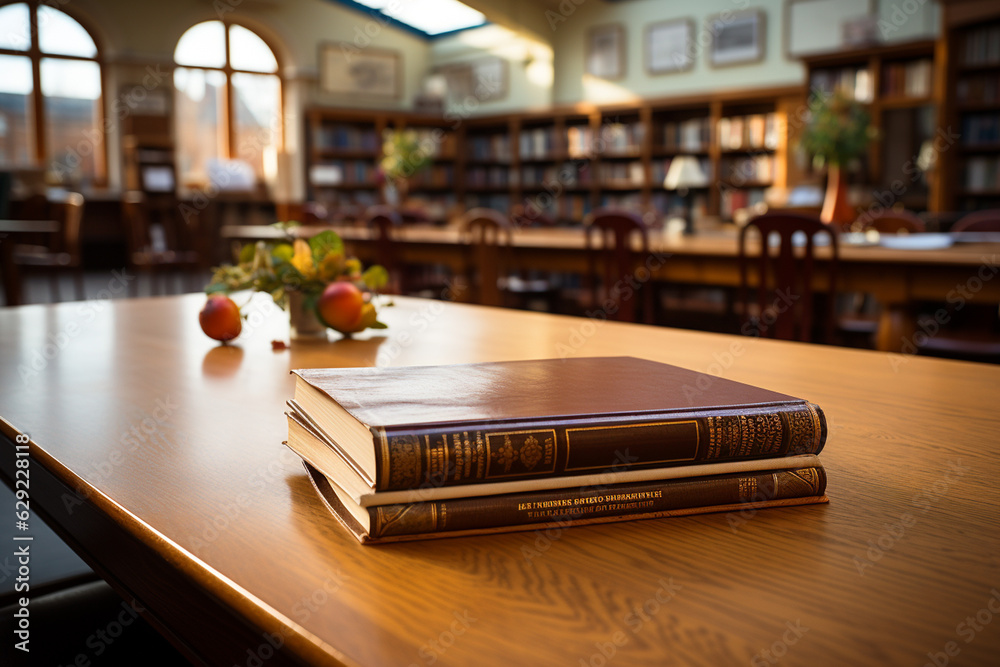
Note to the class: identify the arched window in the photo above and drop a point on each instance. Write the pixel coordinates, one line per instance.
(50, 94)
(228, 99)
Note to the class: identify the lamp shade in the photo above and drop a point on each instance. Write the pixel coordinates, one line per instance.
(685, 172)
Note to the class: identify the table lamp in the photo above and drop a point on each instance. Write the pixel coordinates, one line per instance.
(685, 172)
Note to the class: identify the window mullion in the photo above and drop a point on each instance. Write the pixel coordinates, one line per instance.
(37, 98)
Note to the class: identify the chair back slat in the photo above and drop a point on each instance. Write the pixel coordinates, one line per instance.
(615, 231)
(487, 234)
(980, 221)
(785, 295)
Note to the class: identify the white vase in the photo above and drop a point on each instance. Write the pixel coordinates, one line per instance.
(303, 323)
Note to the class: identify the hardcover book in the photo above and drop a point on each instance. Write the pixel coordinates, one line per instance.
(574, 506)
(438, 426)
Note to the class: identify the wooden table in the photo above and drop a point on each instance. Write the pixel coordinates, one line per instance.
(11, 275)
(157, 455)
(896, 278)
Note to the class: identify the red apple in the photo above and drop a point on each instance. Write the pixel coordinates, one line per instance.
(220, 318)
(340, 306)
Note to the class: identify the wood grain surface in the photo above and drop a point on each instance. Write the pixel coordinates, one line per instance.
(188, 501)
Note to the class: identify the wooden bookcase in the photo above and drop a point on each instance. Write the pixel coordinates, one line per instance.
(902, 89)
(970, 47)
(560, 163)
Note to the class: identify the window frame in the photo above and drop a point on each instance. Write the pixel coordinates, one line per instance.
(228, 70)
(35, 54)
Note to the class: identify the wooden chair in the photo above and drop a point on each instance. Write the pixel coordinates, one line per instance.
(980, 221)
(487, 233)
(382, 221)
(894, 222)
(785, 300)
(144, 257)
(613, 286)
(65, 255)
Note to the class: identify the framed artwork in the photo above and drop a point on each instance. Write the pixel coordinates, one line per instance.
(344, 68)
(606, 51)
(820, 26)
(670, 46)
(737, 38)
(487, 80)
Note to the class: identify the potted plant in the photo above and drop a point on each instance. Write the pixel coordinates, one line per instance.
(836, 135)
(313, 279)
(403, 156)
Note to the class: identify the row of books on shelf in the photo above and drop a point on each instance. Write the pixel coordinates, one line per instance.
(982, 46)
(497, 201)
(487, 177)
(490, 147)
(757, 131)
(565, 175)
(511, 456)
(982, 174)
(978, 89)
(752, 168)
(693, 135)
(342, 172)
(631, 174)
(346, 138)
(673, 204)
(855, 82)
(437, 175)
(573, 207)
(734, 199)
(537, 143)
(438, 143)
(622, 137)
(908, 79)
(978, 129)
(631, 201)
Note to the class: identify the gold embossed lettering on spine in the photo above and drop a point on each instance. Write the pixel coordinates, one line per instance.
(598, 505)
(478, 453)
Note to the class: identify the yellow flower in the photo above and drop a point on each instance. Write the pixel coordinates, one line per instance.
(303, 260)
(331, 267)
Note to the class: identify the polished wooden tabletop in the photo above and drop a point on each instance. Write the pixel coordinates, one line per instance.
(157, 455)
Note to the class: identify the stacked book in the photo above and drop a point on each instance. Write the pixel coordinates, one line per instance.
(439, 451)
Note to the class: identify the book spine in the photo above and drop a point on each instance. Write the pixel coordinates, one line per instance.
(618, 502)
(483, 453)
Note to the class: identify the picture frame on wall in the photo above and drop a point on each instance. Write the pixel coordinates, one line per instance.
(345, 69)
(605, 53)
(486, 80)
(670, 46)
(738, 38)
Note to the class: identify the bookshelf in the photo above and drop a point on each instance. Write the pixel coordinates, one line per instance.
(900, 85)
(971, 44)
(565, 162)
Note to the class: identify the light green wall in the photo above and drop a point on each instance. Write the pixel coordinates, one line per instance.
(529, 65)
(569, 39)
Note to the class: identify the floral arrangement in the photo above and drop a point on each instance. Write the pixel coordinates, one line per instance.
(838, 131)
(403, 155)
(314, 272)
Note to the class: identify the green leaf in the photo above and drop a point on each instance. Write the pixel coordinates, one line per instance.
(375, 277)
(325, 243)
(378, 325)
(216, 288)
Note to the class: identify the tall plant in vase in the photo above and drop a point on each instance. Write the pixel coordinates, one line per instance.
(837, 134)
(403, 156)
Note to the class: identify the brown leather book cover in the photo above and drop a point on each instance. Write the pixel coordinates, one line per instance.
(474, 423)
(574, 507)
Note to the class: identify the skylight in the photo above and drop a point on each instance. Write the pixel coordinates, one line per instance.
(433, 17)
